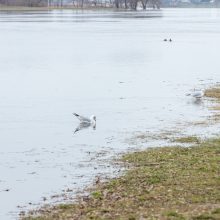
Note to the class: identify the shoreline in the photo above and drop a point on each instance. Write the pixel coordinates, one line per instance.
(159, 183)
(95, 8)
(172, 182)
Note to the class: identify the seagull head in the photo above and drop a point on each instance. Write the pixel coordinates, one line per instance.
(93, 118)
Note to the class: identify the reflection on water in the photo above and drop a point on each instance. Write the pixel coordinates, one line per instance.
(198, 101)
(76, 16)
(84, 125)
(115, 64)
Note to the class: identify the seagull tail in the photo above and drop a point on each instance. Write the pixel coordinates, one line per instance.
(76, 114)
(188, 94)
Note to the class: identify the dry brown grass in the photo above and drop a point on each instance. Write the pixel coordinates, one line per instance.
(213, 92)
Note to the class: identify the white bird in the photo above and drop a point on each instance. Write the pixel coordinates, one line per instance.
(197, 94)
(85, 122)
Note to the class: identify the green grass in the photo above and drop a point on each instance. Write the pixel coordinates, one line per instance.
(96, 195)
(171, 183)
(187, 140)
(174, 215)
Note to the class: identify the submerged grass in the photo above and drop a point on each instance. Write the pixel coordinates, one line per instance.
(163, 183)
(187, 140)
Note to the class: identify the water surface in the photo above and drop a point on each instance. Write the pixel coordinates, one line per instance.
(111, 64)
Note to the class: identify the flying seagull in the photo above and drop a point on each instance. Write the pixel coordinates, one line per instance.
(85, 122)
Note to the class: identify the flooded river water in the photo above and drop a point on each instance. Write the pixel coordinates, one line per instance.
(114, 65)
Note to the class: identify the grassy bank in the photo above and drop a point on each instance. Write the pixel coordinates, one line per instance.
(161, 183)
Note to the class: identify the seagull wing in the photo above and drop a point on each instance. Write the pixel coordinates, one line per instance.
(82, 118)
(198, 94)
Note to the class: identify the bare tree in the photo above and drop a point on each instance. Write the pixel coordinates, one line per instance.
(144, 4)
(117, 3)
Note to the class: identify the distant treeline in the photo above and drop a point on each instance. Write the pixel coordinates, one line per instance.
(126, 4)
(29, 3)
